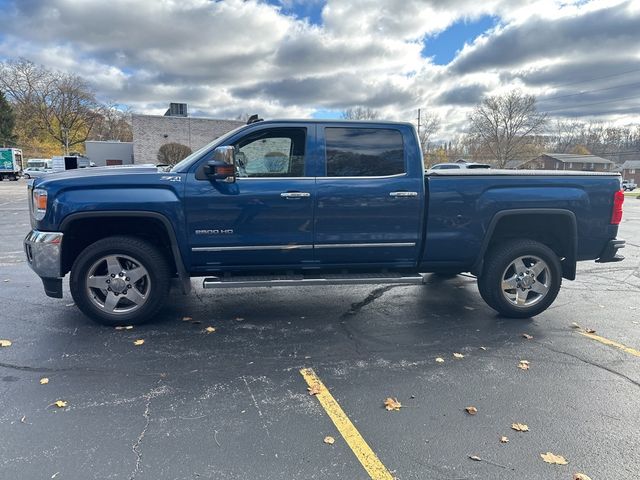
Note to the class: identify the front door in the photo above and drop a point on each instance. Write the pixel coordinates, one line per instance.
(265, 218)
(370, 202)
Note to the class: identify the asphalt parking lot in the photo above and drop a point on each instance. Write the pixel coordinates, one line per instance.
(232, 404)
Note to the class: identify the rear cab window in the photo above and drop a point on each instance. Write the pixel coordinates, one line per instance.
(364, 152)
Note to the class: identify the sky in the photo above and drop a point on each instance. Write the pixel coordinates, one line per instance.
(315, 58)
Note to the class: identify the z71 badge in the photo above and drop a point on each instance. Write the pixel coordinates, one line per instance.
(171, 178)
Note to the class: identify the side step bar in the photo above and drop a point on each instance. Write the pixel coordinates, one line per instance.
(309, 280)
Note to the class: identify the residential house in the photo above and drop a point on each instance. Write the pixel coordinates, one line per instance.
(631, 170)
(568, 161)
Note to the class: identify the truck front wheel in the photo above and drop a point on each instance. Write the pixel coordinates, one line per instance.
(521, 278)
(120, 280)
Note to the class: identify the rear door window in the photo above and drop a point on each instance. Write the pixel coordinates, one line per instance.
(364, 152)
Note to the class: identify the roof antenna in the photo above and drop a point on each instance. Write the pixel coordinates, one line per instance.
(254, 118)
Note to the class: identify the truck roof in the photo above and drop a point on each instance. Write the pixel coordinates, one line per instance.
(333, 120)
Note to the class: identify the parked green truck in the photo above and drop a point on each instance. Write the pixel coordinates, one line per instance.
(10, 163)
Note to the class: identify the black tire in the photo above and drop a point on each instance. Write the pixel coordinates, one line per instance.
(158, 274)
(501, 258)
(27, 176)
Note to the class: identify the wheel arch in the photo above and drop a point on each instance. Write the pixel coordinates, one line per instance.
(554, 227)
(83, 228)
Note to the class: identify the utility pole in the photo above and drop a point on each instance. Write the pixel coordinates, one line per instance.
(66, 140)
(418, 123)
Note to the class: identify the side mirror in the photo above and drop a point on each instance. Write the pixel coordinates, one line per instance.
(223, 165)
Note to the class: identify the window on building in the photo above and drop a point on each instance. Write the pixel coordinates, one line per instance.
(632, 171)
(276, 152)
(364, 152)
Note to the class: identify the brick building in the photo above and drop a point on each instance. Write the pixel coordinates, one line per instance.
(631, 171)
(568, 161)
(150, 132)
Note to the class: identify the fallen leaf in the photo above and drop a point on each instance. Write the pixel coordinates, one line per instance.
(44, 381)
(138, 342)
(589, 330)
(392, 404)
(60, 403)
(314, 390)
(55, 475)
(575, 325)
(553, 458)
(440, 360)
(471, 410)
(240, 319)
(475, 458)
(70, 305)
(210, 329)
(469, 308)
(186, 319)
(23, 419)
(483, 348)
(6, 280)
(527, 336)
(458, 355)
(504, 439)
(523, 365)
(127, 327)
(329, 440)
(581, 476)
(5, 343)
(520, 427)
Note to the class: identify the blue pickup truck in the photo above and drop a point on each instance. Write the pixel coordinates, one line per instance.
(286, 203)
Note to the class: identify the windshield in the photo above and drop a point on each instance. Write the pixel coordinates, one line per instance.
(184, 165)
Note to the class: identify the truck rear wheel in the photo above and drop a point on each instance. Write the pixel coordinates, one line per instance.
(521, 278)
(120, 280)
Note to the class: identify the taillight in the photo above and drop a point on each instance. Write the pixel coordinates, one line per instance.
(616, 214)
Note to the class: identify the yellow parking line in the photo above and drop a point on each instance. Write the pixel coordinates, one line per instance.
(362, 451)
(611, 343)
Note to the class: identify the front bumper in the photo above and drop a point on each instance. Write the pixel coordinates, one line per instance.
(44, 255)
(610, 252)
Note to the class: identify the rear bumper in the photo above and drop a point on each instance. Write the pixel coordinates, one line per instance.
(44, 256)
(610, 252)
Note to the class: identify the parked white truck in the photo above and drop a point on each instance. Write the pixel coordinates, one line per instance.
(10, 163)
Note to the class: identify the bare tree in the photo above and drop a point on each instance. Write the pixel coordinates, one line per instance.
(360, 113)
(172, 153)
(429, 125)
(504, 124)
(61, 104)
(113, 123)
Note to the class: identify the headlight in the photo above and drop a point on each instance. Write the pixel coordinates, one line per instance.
(39, 203)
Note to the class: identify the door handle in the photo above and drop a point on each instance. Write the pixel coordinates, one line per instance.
(403, 194)
(295, 195)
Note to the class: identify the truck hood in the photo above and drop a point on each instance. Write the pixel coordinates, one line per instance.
(111, 170)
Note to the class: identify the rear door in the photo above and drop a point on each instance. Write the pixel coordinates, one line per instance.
(370, 196)
(263, 219)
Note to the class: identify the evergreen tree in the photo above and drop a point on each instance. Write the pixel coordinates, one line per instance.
(7, 122)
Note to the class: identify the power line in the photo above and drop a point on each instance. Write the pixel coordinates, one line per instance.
(597, 78)
(544, 99)
(590, 104)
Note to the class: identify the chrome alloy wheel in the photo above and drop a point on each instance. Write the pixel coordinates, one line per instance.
(526, 281)
(118, 284)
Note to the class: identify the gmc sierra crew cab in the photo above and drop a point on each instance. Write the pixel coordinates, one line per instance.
(315, 202)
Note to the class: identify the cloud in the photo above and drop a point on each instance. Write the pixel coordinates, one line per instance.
(230, 57)
(464, 95)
